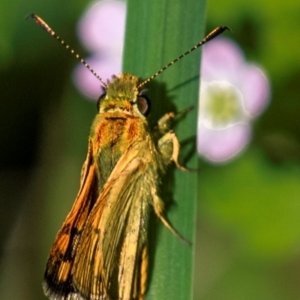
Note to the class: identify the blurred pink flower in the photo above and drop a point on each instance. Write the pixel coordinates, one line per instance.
(101, 30)
(232, 93)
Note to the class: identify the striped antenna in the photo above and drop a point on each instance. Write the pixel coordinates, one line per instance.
(39, 21)
(209, 37)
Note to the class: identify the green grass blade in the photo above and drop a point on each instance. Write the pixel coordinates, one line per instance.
(157, 32)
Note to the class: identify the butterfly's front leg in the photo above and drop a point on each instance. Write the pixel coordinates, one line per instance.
(169, 148)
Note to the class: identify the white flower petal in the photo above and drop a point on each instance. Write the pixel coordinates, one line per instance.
(222, 145)
(102, 27)
(256, 90)
(221, 60)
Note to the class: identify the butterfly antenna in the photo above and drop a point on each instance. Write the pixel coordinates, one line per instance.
(39, 21)
(209, 37)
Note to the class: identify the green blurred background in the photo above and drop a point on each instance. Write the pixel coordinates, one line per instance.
(248, 231)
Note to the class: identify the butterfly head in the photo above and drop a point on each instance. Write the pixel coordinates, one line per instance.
(122, 93)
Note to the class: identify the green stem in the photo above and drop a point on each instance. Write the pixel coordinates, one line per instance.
(157, 32)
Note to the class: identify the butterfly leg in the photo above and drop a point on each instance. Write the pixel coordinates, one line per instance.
(164, 123)
(159, 209)
(169, 148)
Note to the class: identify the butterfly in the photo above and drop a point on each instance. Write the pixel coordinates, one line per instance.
(101, 250)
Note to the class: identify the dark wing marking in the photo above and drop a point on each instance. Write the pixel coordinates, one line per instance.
(57, 278)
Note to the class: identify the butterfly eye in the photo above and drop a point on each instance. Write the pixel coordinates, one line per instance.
(99, 101)
(143, 105)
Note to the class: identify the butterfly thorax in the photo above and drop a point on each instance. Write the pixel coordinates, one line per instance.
(118, 125)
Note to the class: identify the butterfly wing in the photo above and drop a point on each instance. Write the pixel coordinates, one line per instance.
(57, 278)
(108, 260)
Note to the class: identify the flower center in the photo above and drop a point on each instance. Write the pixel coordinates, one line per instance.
(221, 104)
